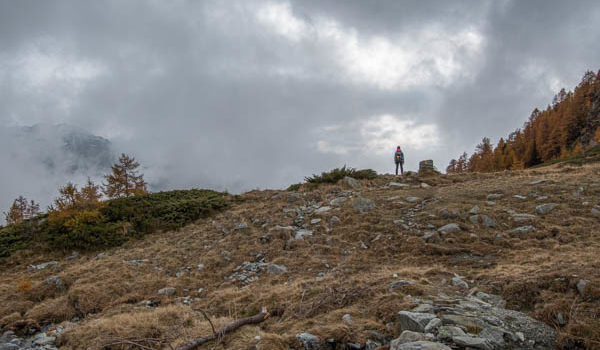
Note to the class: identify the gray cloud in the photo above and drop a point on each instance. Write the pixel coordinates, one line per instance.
(243, 94)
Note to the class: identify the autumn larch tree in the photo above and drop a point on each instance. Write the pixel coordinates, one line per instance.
(124, 181)
(21, 210)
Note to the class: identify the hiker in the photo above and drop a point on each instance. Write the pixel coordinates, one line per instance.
(399, 160)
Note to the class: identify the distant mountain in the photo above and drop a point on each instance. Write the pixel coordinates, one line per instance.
(66, 149)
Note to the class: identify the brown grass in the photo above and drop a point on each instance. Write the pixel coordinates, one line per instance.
(328, 275)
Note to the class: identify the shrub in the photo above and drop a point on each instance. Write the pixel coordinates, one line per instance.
(18, 236)
(294, 187)
(337, 174)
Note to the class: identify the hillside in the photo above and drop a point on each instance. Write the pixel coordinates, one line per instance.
(464, 249)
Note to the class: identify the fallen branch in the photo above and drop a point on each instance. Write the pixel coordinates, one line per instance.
(258, 318)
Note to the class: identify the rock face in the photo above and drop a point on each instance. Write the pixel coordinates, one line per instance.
(469, 322)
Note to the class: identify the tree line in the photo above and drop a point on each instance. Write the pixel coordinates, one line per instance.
(567, 127)
(124, 180)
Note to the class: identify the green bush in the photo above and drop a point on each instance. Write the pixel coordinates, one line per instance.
(294, 187)
(113, 222)
(337, 174)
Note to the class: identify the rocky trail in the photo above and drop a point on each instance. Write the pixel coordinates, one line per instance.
(466, 261)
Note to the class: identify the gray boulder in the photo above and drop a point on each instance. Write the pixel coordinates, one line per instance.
(309, 341)
(363, 204)
(338, 201)
(56, 283)
(472, 342)
(544, 209)
(407, 337)
(449, 228)
(414, 321)
(412, 199)
(167, 291)
(522, 230)
(352, 182)
(458, 282)
(420, 345)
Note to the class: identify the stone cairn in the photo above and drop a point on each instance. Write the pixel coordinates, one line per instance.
(426, 167)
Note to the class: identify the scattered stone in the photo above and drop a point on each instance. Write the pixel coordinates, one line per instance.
(275, 269)
(424, 308)
(431, 237)
(475, 210)
(412, 199)
(544, 209)
(315, 221)
(334, 219)
(581, 286)
(433, 325)
(200, 267)
(322, 211)
(420, 345)
(42, 339)
(449, 228)
(472, 342)
(309, 341)
(363, 245)
(43, 265)
(482, 219)
(392, 198)
(522, 230)
(363, 204)
(491, 203)
(541, 198)
(449, 214)
(352, 182)
(522, 217)
(398, 284)
(241, 226)
(414, 321)
(519, 197)
(337, 201)
(347, 318)
(398, 184)
(167, 291)
(494, 196)
(425, 185)
(537, 182)
(56, 283)
(457, 281)
(560, 319)
(73, 256)
(300, 234)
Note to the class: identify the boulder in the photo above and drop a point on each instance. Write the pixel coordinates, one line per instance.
(275, 269)
(338, 201)
(414, 321)
(457, 281)
(544, 209)
(523, 217)
(56, 283)
(522, 230)
(398, 284)
(407, 337)
(352, 183)
(449, 332)
(300, 234)
(167, 291)
(412, 199)
(472, 342)
(322, 210)
(309, 341)
(449, 228)
(475, 210)
(433, 325)
(419, 345)
(363, 204)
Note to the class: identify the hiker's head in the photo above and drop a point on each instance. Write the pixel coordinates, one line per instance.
(398, 148)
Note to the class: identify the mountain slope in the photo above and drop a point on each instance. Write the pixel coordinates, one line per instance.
(312, 258)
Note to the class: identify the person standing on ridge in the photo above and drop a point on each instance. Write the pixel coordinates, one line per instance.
(399, 160)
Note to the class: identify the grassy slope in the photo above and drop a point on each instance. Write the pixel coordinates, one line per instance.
(534, 274)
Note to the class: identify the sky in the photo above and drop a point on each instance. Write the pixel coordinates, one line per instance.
(239, 95)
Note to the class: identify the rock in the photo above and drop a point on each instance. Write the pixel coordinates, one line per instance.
(371, 345)
(337, 201)
(431, 237)
(167, 291)
(407, 337)
(424, 308)
(596, 212)
(363, 204)
(275, 269)
(322, 210)
(43, 265)
(334, 219)
(424, 185)
(449, 214)
(398, 184)
(412, 199)
(449, 228)
(352, 182)
(494, 336)
(42, 339)
(56, 283)
(467, 322)
(457, 281)
(472, 342)
(347, 318)
(433, 325)
(522, 230)
(519, 197)
(537, 182)
(300, 234)
(449, 332)
(475, 210)
(541, 198)
(200, 267)
(491, 203)
(315, 221)
(482, 219)
(398, 284)
(544, 209)
(491, 299)
(363, 245)
(309, 341)
(522, 217)
(419, 345)
(494, 196)
(581, 286)
(560, 319)
(9, 346)
(414, 321)
(73, 256)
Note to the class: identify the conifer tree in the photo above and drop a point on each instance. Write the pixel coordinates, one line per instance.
(21, 210)
(124, 181)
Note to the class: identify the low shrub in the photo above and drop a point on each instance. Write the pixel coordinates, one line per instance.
(335, 175)
(294, 187)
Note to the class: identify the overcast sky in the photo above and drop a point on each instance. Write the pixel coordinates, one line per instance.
(250, 94)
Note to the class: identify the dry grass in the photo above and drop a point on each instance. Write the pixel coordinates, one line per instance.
(328, 274)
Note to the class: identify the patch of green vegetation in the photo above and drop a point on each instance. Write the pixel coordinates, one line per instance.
(112, 222)
(591, 155)
(294, 187)
(335, 175)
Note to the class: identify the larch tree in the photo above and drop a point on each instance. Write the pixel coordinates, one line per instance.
(21, 210)
(124, 180)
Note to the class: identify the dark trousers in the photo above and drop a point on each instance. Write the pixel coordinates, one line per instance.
(401, 168)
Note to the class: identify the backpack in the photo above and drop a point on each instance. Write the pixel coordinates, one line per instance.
(399, 157)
